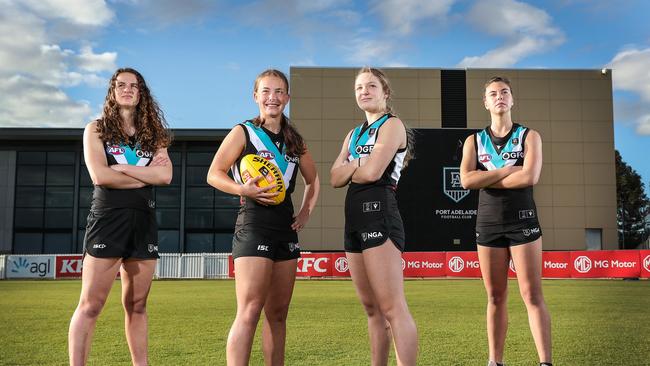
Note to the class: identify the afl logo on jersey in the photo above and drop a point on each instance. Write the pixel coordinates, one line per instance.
(364, 149)
(115, 150)
(484, 158)
(512, 155)
(266, 154)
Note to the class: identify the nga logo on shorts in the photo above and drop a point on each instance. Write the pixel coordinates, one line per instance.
(529, 232)
(371, 235)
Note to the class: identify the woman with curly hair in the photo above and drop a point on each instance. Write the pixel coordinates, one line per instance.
(126, 154)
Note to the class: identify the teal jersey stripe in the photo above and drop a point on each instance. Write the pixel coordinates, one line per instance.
(281, 162)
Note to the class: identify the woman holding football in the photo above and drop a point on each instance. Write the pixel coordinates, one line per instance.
(265, 244)
(370, 164)
(504, 161)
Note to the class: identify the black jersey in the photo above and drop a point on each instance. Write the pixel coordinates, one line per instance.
(273, 220)
(125, 153)
(503, 206)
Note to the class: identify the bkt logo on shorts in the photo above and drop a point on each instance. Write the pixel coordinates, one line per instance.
(512, 155)
(451, 184)
(456, 264)
(364, 149)
(371, 235)
(341, 264)
(266, 154)
(582, 264)
(99, 246)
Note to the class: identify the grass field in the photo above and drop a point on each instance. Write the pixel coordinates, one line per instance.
(604, 322)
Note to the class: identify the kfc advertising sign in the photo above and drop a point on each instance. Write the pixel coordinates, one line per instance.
(423, 264)
(605, 264)
(314, 265)
(462, 264)
(69, 266)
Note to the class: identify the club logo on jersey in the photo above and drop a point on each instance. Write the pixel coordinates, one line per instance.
(371, 132)
(515, 141)
(484, 158)
(152, 248)
(364, 149)
(512, 155)
(115, 150)
(293, 247)
(266, 154)
(292, 159)
(526, 214)
(451, 184)
(373, 206)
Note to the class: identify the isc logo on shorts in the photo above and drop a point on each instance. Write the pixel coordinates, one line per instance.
(263, 248)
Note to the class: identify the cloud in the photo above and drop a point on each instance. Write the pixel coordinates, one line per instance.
(402, 17)
(527, 30)
(366, 51)
(631, 73)
(34, 67)
(169, 12)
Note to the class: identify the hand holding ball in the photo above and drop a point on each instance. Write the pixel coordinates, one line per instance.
(252, 166)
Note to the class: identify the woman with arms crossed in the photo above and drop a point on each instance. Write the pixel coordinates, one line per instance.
(265, 243)
(504, 161)
(371, 161)
(126, 154)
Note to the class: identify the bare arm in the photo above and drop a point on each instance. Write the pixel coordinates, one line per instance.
(391, 138)
(312, 188)
(158, 173)
(529, 174)
(230, 149)
(342, 169)
(95, 158)
(471, 177)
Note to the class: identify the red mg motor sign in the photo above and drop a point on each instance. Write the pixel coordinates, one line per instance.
(423, 264)
(462, 264)
(644, 256)
(605, 264)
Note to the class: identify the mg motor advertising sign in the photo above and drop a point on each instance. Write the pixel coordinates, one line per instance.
(644, 258)
(423, 264)
(605, 264)
(462, 264)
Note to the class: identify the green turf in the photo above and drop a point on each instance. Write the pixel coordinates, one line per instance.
(602, 322)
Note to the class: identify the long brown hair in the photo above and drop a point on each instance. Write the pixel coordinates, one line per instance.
(292, 139)
(150, 124)
(385, 85)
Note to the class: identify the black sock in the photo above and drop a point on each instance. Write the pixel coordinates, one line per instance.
(545, 364)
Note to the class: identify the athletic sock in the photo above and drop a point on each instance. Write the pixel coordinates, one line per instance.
(494, 363)
(545, 364)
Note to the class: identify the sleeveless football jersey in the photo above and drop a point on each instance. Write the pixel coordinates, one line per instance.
(503, 206)
(125, 153)
(271, 219)
(362, 141)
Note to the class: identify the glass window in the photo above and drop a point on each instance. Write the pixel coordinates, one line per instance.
(28, 218)
(225, 219)
(175, 157)
(28, 243)
(60, 157)
(199, 243)
(223, 243)
(199, 197)
(197, 175)
(59, 196)
(58, 218)
(30, 175)
(57, 243)
(200, 158)
(84, 177)
(198, 219)
(83, 217)
(60, 175)
(168, 241)
(85, 196)
(29, 196)
(168, 218)
(168, 197)
(176, 176)
(31, 157)
(222, 199)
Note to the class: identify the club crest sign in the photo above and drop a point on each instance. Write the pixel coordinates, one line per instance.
(451, 184)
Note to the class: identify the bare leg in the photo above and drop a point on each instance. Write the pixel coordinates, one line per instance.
(252, 282)
(96, 282)
(136, 281)
(528, 262)
(378, 327)
(384, 271)
(494, 269)
(276, 308)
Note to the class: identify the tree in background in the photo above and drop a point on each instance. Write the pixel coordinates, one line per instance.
(631, 206)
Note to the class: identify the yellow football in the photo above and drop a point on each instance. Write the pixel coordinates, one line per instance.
(253, 165)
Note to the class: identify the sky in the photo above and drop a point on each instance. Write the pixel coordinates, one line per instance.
(200, 57)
